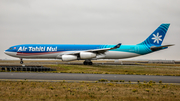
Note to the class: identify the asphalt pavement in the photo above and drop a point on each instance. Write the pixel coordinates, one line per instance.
(87, 77)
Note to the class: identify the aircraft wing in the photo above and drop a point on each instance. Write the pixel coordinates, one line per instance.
(104, 49)
(154, 48)
(97, 51)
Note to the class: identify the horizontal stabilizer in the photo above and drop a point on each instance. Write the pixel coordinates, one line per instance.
(154, 48)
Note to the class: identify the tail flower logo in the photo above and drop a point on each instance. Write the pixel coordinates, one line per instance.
(157, 38)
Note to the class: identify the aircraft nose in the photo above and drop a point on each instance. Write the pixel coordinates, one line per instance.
(5, 52)
(9, 53)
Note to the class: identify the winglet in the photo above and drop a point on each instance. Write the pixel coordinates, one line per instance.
(117, 46)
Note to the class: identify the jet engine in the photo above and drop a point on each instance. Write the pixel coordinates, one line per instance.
(68, 57)
(87, 55)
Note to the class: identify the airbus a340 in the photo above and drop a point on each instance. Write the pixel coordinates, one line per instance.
(70, 52)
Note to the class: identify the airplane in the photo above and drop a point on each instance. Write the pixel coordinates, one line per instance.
(70, 52)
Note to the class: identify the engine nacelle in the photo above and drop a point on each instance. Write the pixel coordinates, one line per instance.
(87, 55)
(69, 57)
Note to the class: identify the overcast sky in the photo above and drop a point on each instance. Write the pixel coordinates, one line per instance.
(89, 22)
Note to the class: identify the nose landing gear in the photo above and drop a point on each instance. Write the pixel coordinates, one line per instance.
(21, 61)
(87, 62)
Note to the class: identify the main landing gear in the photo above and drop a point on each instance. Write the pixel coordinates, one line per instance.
(87, 62)
(21, 61)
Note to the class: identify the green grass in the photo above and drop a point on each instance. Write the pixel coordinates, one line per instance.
(25, 90)
(145, 69)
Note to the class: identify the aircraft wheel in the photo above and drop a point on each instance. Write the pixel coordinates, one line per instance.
(21, 62)
(85, 63)
(90, 63)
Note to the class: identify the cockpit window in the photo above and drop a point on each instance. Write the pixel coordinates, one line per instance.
(10, 48)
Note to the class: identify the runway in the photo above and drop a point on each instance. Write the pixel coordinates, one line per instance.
(87, 77)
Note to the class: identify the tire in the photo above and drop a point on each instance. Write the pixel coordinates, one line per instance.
(85, 63)
(90, 63)
(21, 62)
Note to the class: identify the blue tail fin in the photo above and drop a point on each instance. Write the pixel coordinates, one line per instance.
(157, 37)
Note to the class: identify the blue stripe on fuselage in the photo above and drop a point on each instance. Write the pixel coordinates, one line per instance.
(39, 48)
